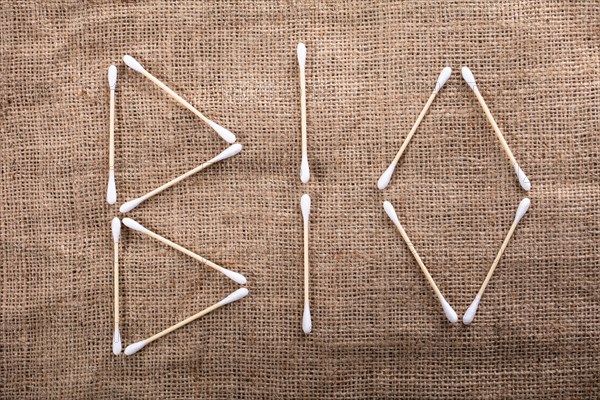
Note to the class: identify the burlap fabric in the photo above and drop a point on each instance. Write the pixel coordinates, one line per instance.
(378, 330)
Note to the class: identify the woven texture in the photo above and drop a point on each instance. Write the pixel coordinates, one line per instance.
(378, 331)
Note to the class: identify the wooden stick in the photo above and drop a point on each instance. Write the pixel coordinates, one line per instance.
(116, 232)
(306, 317)
(136, 66)
(111, 191)
(521, 210)
(227, 153)
(448, 310)
(235, 296)
(132, 224)
(470, 79)
(304, 167)
(385, 178)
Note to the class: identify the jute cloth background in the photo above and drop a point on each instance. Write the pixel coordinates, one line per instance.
(378, 330)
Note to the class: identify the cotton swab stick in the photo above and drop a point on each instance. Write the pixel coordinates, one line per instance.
(470, 79)
(304, 169)
(521, 210)
(235, 296)
(306, 319)
(385, 178)
(227, 153)
(111, 192)
(136, 66)
(116, 232)
(448, 310)
(136, 226)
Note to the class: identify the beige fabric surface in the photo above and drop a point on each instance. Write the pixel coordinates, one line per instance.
(378, 331)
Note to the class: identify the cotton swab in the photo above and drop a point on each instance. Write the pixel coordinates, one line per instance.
(136, 66)
(448, 310)
(521, 210)
(227, 153)
(470, 79)
(116, 232)
(385, 178)
(111, 191)
(235, 296)
(306, 319)
(304, 169)
(234, 276)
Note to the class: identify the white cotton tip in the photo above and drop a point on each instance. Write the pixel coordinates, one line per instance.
(304, 170)
(469, 78)
(135, 347)
(391, 212)
(306, 320)
(235, 296)
(301, 54)
(228, 152)
(470, 313)
(225, 134)
(117, 342)
(449, 311)
(133, 224)
(112, 77)
(130, 205)
(443, 78)
(133, 64)
(111, 191)
(234, 276)
(305, 206)
(523, 179)
(386, 177)
(116, 228)
(522, 209)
